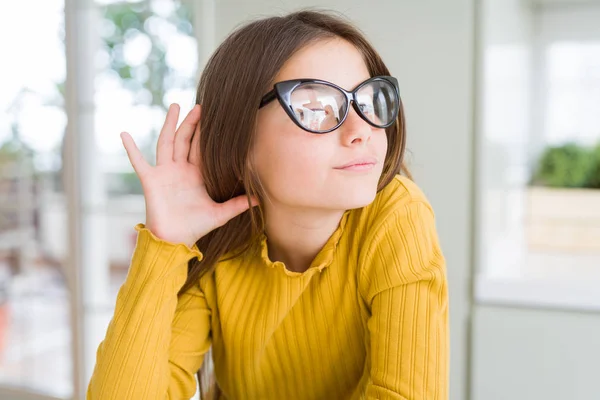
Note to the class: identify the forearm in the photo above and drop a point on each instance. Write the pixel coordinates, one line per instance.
(133, 359)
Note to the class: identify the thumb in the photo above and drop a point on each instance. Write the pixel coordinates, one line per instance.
(232, 208)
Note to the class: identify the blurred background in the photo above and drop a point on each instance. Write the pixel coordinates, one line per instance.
(503, 107)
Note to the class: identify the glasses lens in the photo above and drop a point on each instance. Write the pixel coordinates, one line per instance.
(378, 102)
(318, 107)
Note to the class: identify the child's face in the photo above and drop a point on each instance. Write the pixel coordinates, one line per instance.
(299, 169)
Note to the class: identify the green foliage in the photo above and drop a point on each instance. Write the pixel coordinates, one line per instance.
(15, 155)
(123, 21)
(12, 151)
(124, 183)
(149, 81)
(594, 180)
(568, 166)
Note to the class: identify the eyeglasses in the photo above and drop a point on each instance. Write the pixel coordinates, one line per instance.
(320, 106)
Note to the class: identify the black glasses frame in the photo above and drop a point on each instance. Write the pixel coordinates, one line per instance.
(282, 91)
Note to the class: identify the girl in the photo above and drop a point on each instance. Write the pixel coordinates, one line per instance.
(280, 235)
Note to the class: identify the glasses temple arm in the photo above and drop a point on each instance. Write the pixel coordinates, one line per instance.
(267, 98)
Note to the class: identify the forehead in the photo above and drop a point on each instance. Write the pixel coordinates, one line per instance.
(333, 60)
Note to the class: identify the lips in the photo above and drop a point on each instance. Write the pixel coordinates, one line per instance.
(359, 163)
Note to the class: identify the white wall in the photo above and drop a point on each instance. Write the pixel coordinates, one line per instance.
(525, 354)
(429, 47)
(571, 23)
(560, 3)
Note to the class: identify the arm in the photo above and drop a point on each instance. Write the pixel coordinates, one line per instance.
(404, 285)
(155, 342)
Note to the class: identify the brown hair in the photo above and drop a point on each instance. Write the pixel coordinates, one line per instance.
(238, 74)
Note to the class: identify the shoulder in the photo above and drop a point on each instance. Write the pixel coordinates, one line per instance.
(399, 242)
(395, 198)
(397, 194)
(400, 210)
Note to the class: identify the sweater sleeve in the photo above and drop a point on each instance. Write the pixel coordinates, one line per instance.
(155, 342)
(405, 289)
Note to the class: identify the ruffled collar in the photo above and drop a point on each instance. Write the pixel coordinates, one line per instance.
(324, 258)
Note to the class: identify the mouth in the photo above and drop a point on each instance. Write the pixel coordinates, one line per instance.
(359, 164)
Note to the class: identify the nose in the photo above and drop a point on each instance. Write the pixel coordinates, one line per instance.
(355, 130)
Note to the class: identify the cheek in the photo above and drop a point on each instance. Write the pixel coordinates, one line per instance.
(381, 144)
(295, 158)
(290, 161)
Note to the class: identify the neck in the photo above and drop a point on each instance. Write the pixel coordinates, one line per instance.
(295, 236)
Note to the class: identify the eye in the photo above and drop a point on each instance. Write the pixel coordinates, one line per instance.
(366, 108)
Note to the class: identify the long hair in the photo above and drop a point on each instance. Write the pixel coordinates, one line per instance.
(238, 74)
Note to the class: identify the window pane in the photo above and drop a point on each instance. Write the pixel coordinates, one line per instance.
(146, 60)
(35, 351)
(573, 102)
(539, 154)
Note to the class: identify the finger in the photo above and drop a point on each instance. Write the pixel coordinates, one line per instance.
(232, 208)
(184, 135)
(136, 158)
(164, 147)
(194, 156)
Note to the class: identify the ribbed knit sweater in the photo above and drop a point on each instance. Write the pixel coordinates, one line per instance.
(367, 320)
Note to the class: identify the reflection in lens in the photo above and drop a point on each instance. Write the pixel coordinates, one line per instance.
(318, 107)
(377, 102)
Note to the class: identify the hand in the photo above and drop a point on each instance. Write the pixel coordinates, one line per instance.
(178, 207)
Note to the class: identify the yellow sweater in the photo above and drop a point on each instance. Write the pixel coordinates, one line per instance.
(367, 320)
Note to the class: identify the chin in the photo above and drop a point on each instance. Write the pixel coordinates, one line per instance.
(355, 197)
